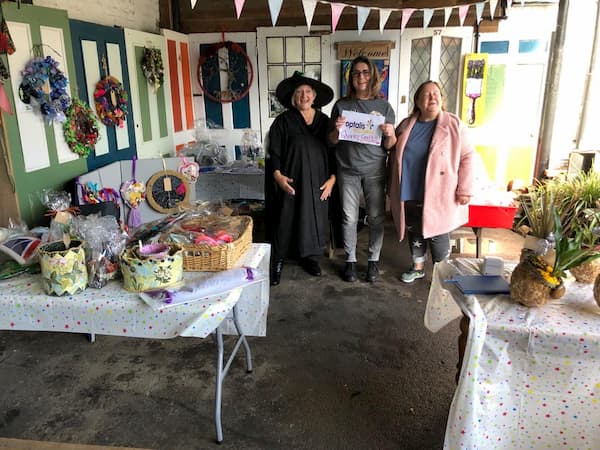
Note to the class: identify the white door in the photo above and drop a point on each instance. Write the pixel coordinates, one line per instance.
(281, 52)
(152, 108)
(432, 54)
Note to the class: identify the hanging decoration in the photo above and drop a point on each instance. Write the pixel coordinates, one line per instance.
(111, 102)
(81, 128)
(189, 169)
(152, 66)
(236, 68)
(44, 82)
(133, 193)
(167, 191)
(6, 43)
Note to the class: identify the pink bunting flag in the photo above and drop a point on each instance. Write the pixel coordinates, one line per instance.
(4, 101)
(462, 13)
(384, 15)
(239, 4)
(336, 12)
(362, 13)
(309, 11)
(406, 13)
(275, 9)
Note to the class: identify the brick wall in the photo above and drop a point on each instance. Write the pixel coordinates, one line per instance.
(142, 15)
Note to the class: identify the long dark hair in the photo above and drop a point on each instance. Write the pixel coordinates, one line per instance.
(374, 80)
(416, 111)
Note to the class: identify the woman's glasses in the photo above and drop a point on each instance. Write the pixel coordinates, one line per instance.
(358, 73)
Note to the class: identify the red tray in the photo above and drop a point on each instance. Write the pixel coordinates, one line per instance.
(490, 216)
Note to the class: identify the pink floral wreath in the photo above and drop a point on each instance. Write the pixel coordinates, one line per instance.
(111, 102)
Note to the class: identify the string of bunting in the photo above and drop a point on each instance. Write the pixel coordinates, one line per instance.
(364, 11)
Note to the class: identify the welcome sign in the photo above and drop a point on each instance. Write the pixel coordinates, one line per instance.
(362, 128)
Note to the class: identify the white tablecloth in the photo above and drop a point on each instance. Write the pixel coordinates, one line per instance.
(530, 377)
(114, 311)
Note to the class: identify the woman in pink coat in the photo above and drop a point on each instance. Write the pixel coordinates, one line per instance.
(430, 177)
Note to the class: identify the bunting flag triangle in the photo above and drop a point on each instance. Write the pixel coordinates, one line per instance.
(239, 4)
(193, 3)
(384, 15)
(336, 12)
(406, 13)
(479, 11)
(427, 15)
(4, 101)
(309, 11)
(275, 9)
(447, 14)
(462, 13)
(493, 4)
(362, 13)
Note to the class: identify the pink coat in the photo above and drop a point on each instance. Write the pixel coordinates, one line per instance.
(449, 173)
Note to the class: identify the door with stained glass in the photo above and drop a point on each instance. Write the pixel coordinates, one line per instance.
(432, 54)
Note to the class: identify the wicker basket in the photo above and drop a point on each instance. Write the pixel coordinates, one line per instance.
(212, 258)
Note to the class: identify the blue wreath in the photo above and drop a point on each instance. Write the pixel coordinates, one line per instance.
(44, 82)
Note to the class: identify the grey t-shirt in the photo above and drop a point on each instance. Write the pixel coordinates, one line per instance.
(362, 159)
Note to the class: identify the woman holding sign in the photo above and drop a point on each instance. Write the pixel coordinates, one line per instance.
(363, 135)
(299, 175)
(430, 178)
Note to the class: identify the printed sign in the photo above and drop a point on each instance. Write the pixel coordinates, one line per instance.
(362, 128)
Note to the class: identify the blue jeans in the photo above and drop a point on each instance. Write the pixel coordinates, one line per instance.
(439, 246)
(373, 188)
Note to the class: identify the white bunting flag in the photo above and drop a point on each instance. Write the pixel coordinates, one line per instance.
(447, 14)
(239, 4)
(309, 11)
(479, 11)
(427, 15)
(462, 13)
(275, 9)
(362, 13)
(406, 13)
(493, 4)
(384, 15)
(193, 3)
(336, 12)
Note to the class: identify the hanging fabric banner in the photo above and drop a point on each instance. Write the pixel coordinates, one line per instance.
(193, 3)
(336, 12)
(406, 13)
(361, 17)
(447, 14)
(427, 15)
(309, 11)
(275, 9)
(479, 11)
(239, 4)
(384, 15)
(462, 13)
(493, 4)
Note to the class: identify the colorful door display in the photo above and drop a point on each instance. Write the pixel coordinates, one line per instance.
(98, 49)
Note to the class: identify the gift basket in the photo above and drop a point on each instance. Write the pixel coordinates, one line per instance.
(211, 242)
(151, 266)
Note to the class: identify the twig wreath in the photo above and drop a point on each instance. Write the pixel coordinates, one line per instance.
(44, 82)
(111, 102)
(81, 128)
(152, 66)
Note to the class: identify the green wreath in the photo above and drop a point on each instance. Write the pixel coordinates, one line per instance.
(81, 128)
(152, 66)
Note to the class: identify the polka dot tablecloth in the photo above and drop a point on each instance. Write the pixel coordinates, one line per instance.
(112, 310)
(531, 376)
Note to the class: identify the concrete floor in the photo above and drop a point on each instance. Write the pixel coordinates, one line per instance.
(344, 366)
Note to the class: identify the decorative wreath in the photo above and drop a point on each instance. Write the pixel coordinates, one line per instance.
(237, 67)
(47, 84)
(111, 102)
(152, 66)
(81, 128)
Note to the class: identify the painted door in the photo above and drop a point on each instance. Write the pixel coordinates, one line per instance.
(97, 49)
(178, 57)
(38, 153)
(281, 52)
(432, 54)
(152, 108)
(229, 119)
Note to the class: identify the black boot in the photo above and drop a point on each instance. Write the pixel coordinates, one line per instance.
(311, 265)
(372, 271)
(276, 268)
(350, 272)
